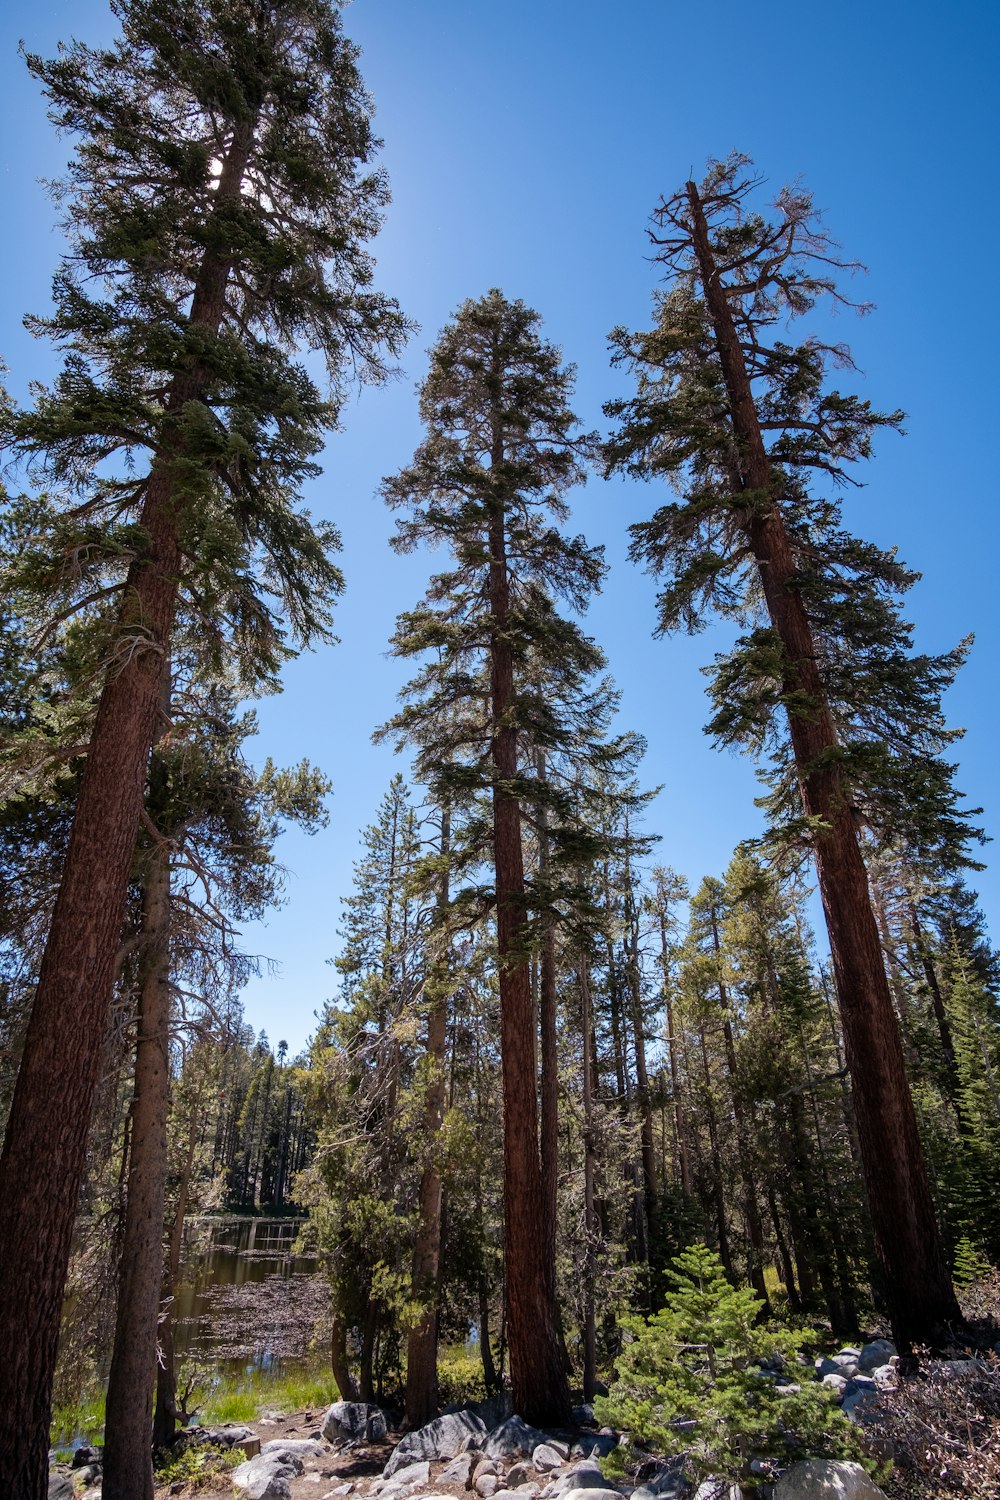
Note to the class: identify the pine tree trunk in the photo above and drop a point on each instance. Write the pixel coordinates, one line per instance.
(751, 1212)
(45, 1144)
(366, 1362)
(718, 1181)
(339, 1363)
(421, 1347)
(916, 1284)
(538, 1378)
(680, 1127)
(128, 1468)
(591, 1226)
(548, 1050)
(646, 1147)
(166, 1414)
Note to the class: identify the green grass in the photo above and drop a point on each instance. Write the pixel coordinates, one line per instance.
(243, 1398)
(81, 1421)
(239, 1398)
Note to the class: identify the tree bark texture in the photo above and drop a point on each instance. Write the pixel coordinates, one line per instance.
(128, 1467)
(46, 1139)
(421, 1346)
(915, 1282)
(538, 1377)
(591, 1225)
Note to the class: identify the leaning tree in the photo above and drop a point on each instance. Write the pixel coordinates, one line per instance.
(740, 419)
(217, 209)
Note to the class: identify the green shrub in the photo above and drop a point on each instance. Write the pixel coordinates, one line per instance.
(199, 1467)
(690, 1382)
(460, 1375)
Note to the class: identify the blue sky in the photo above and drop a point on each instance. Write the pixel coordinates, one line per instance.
(527, 143)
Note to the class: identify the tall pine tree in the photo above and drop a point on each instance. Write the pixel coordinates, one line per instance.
(743, 424)
(217, 208)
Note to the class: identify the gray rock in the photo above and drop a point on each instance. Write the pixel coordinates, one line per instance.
(717, 1489)
(354, 1421)
(441, 1438)
(268, 1487)
(583, 1415)
(584, 1475)
(667, 1481)
(60, 1487)
(885, 1377)
(857, 1403)
(546, 1457)
(876, 1354)
(266, 1476)
(600, 1443)
(486, 1486)
(291, 1448)
(459, 1470)
(409, 1477)
(837, 1383)
(841, 1364)
(508, 1494)
(603, 1493)
(223, 1437)
(513, 1439)
(520, 1473)
(494, 1410)
(483, 1467)
(826, 1479)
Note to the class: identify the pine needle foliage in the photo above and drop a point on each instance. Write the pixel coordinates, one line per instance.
(698, 1379)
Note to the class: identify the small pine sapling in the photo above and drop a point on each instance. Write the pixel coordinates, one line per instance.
(697, 1380)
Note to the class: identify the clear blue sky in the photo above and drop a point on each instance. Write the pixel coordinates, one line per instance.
(527, 143)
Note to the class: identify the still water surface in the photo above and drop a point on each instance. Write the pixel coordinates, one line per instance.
(245, 1298)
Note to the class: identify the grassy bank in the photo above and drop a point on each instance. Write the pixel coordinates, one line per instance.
(240, 1398)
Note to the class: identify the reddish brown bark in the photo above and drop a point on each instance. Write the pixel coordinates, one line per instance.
(591, 1223)
(46, 1139)
(916, 1284)
(421, 1347)
(538, 1377)
(128, 1467)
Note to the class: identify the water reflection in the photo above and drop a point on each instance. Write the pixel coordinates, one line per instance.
(245, 1299)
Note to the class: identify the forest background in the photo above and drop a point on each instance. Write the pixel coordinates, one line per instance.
(526, 145)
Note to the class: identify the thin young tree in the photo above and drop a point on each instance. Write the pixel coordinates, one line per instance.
(217, 210)
(743, 424)
(502, 448)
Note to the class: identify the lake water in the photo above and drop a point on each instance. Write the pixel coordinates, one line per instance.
(245, 1299)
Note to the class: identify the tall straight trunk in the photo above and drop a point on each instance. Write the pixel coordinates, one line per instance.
(128, 1466)
(421, 1346)
(538, 1376)
(366, 1363)
(491, 1380)
(751, 1212)
(784, 1255)
(591, 1224)
(46, 1138)
(166, 1414)
(548, 1050)
(646, 1147)
(680, 1124)
(718, 1184)
(940, 1016)
(915, 1281)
